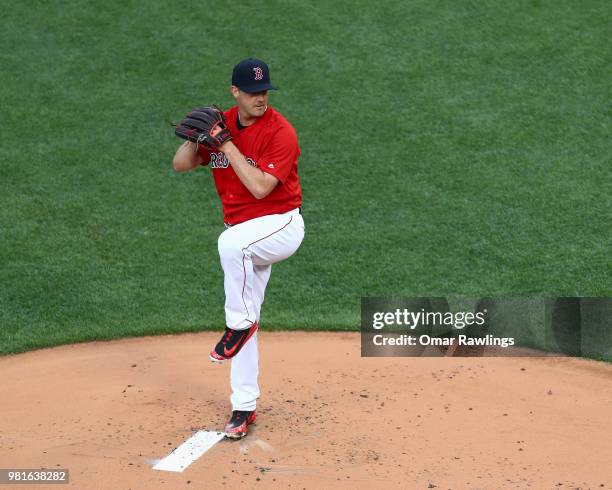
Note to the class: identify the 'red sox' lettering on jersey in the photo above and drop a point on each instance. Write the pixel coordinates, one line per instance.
(270, 144)
(219, 160)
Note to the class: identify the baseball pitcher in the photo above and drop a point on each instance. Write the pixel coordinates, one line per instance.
(253, 152)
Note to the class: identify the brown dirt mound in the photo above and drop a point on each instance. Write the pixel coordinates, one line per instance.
(327, 417)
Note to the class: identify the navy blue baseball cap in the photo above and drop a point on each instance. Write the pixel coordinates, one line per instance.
(252, 75)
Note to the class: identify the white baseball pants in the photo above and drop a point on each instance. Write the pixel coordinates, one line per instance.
(247, 251)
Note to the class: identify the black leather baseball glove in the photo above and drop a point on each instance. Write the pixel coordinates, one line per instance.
(205, 126)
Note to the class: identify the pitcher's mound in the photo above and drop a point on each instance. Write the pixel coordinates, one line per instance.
(327, 418)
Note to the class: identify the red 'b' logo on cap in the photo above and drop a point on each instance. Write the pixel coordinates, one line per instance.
(258, 73)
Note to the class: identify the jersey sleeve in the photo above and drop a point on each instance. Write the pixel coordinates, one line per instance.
(205, 154)
(281, 154)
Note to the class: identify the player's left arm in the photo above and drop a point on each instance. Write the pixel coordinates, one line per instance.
(259, 183)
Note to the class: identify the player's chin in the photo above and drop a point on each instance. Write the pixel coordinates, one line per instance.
(259, 110)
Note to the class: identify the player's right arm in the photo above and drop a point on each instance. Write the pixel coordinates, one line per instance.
(186, 157)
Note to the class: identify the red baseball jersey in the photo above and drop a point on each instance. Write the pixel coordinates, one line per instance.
(270, 144)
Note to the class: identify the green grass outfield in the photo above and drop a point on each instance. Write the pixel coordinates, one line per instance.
(448, 148)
